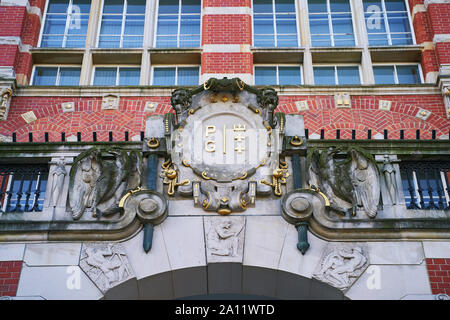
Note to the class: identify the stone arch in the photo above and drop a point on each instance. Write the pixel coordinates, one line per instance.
(225, 280)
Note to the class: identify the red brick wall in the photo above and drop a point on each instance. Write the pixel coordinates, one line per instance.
(227, 3)
(235, 62)
(130, 116)
(88, 117)
(439, 17)
(234, 29)
(9, 277)
(12, 20)
(439, 274)
(364, 115)
(443, 52)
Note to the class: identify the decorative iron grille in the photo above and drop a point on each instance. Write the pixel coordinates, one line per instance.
(22, 187)
(425, 184)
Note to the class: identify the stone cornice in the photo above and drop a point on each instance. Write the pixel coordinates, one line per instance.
(165, 91)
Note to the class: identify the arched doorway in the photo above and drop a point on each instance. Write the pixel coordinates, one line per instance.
(225, 281)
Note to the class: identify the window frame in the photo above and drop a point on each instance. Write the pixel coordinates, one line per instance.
(117, 73)
(383, 64)
(277, 72)
(176, 72)
(297, 24)
(44, 19)
(58, 74)
(155, 28)
(386, 22)
(336, 78)
(330, 26)
(122, 28)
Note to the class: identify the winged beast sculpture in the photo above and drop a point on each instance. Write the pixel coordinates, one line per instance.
(351, 184)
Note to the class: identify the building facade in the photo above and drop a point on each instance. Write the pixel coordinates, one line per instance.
(331, 120)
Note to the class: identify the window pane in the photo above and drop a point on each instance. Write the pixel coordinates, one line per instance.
(316, 6)
(324, 75)
(265, 76)
(168, 6)
(289, 75)
(284, 6)
(384, 75)
(113, 6)
(164, 76)
(395, 5)
(348, 75)
(69, 76)
(129, 76)
(45, 76)
(58, 6)
(408, 74)
(105, 76)
(191, 6)
(262, 6)
(84, 6)
(136, 6)
(340, 6)
(188, 76)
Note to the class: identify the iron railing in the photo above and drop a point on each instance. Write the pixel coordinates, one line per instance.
(22, 187)
(426, 184)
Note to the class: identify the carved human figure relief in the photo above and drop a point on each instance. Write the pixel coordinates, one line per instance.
(224, 238)
(389, 176)
(341, 264)
(59, 175)
(106, 264)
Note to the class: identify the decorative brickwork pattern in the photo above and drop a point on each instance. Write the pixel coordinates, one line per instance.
(364, 115)
(9, 277)
(130, 116)
(86, 118)
(439, 274)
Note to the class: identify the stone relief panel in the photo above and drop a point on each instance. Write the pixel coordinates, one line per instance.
(106, 264)
(341, 264)
(224, 238)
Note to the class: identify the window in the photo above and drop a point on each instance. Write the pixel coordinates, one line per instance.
(122, 24)
(274, 23)
(330, 23)
(387, 22)
(178, 76)
(65, 24)
(425, 184)
(178, 24)
(117, 76)
(56, 76)
(278, 75)
(22, 187)
(336, 75)
(397, 74)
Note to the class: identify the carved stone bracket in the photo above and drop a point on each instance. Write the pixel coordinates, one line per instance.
(150, 208)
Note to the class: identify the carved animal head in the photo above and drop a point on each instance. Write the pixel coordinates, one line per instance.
(268, 98)
(181, 100)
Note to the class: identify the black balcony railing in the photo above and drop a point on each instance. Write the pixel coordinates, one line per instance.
(22, 187)
(426, 184)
